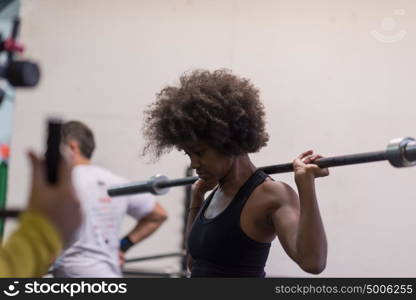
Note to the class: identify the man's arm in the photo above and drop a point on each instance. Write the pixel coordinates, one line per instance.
(148, 224)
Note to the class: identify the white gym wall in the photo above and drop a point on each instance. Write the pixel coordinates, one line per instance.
(335, 76)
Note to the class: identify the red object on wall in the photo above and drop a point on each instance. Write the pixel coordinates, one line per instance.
(4, 151)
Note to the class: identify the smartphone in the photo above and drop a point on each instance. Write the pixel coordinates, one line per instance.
(53, 149)
(52, 157)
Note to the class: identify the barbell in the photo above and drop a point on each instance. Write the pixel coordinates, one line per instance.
(400, 152)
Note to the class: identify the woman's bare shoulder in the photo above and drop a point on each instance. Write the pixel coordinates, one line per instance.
(275, 193)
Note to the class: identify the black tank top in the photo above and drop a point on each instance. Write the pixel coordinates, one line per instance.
(219, 247)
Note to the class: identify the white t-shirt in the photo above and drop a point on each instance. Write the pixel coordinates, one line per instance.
(94, 251)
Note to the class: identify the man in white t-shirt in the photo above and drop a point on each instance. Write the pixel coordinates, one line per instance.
(96, 250)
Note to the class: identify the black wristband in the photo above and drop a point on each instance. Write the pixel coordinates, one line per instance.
(125, 244)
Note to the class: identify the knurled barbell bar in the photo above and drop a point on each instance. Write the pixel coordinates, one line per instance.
(400, 153)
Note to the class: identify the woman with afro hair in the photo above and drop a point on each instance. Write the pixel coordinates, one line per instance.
(217, 119)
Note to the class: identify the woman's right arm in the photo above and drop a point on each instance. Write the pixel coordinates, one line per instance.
(199, 189)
